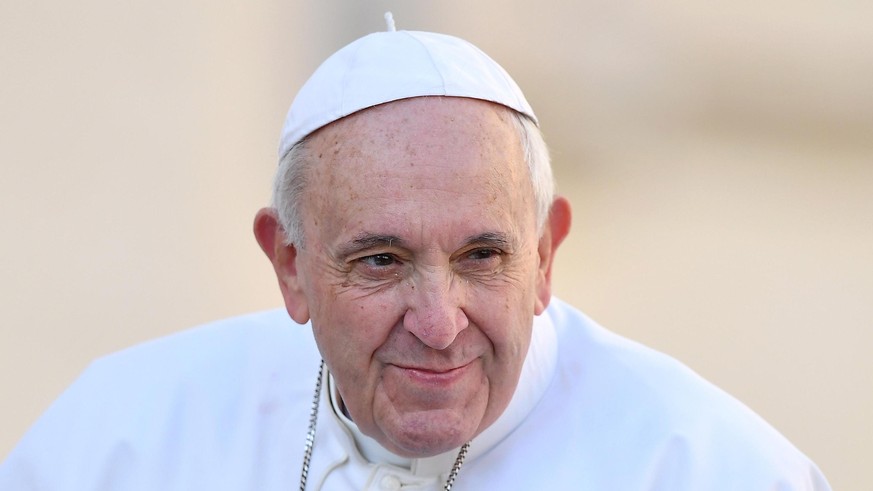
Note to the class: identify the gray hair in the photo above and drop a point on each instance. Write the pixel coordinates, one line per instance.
(290, 180)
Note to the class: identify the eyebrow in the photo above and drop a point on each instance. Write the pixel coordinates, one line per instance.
(366, 241)
(495, 239)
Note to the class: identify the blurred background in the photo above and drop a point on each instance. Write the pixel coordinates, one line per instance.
(718, 154)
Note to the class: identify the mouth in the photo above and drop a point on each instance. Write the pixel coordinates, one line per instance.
(434, 376)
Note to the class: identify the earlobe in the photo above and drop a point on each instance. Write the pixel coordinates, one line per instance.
(555, 231)
(271, 237)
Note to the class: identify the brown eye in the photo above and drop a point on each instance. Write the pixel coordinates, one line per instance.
(379, 260)
(483, 254)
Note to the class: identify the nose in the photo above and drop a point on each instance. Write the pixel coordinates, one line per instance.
(434, 312)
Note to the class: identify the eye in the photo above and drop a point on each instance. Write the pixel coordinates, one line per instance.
(379, 267)
(482, 261)
(484, 253)
(379, 260)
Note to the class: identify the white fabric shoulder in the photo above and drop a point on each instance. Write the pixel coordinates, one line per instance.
(168, 413)
(619, 415)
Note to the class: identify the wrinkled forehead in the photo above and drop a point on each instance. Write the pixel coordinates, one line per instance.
(433, 151)
(452, 132)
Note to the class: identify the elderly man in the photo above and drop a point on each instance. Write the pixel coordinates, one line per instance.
(414, 229)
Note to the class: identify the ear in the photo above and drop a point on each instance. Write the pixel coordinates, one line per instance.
(555, 231)
(271, 237)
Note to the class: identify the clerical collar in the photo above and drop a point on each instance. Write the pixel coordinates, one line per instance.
(536, 374)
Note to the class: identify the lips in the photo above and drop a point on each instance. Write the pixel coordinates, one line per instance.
(434, 376)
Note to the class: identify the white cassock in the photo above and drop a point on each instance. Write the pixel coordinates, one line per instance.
(226, 407)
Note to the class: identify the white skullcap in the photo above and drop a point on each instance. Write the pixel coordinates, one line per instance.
(389, 66)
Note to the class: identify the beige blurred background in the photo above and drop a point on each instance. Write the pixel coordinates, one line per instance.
(719, 156)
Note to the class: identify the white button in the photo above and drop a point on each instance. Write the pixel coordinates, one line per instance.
(390, 483)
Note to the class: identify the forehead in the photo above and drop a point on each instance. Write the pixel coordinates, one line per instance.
(399, 163)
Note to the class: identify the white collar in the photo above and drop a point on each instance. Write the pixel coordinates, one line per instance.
(536, 374)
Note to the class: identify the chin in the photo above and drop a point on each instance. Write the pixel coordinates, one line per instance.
(423, 449)
(420, 439)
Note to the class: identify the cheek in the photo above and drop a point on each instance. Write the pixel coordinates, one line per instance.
(348, 337)
(349, 332)
(510, 339)
(507, 323)
(505, 313)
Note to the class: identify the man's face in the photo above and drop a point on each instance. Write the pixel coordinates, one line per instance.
(420, 270)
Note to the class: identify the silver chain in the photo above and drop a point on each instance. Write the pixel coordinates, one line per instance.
(310, 440)
(456, 467)
(310, 435)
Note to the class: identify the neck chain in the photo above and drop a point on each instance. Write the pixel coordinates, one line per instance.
(310, 440)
